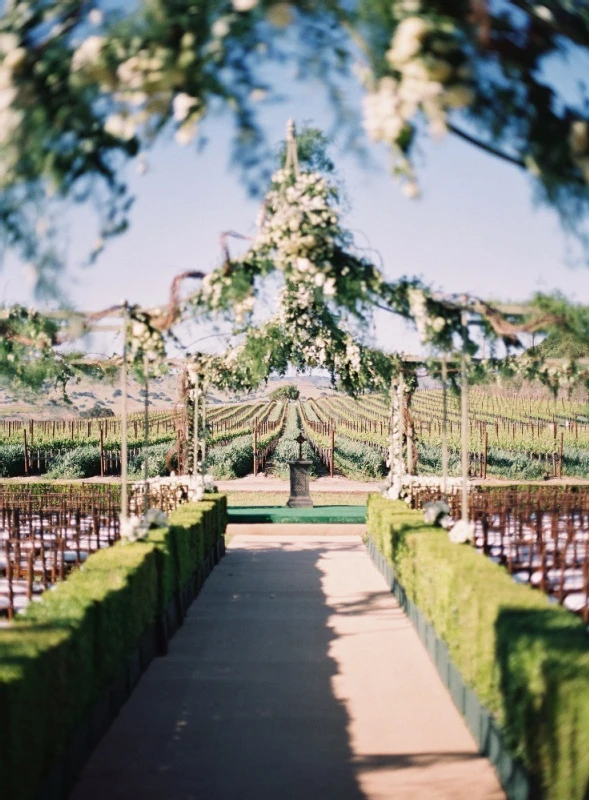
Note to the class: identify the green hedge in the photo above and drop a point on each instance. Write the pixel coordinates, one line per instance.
(526, 658)
(57, 658)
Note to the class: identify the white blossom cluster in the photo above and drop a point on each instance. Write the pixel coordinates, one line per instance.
(135, 528)
(427, 326)
(145, 342)
(190, 488)
(424, 78)
(297, 233)
(143, 85)
(409, 482)
(298, 230)
(565, 375)
(12, 58)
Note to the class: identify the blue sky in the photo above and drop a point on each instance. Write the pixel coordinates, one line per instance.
(475, 228)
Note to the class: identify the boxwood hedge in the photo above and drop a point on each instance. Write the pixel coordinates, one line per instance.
(58, 658)
(526, 658)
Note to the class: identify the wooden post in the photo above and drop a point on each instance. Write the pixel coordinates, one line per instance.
(485, 453)
(560, 455)
(204, 425)
(195, 428)
(146, 436)
(332, 458)
(255, 448)
(24, 430)
(464, 420)
(101, 452)
(444, 425)
(124, 492)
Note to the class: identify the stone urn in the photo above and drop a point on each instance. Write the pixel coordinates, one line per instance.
(299, 480)
(299, 484)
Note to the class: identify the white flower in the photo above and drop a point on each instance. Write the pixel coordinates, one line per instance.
(544, 13)
(183, 104)
(221, 27)
(462, 532)
(411, 189)
(244, 5)
(88, 52)
(407, 40)
(319, 279)
(120, 127)
(132, 529)
(6, 77)
(329, 287)
(96, 17)
(14, 59)
(407, 6)
(418, 308)
(8, 43)
(10, 119)
(7, 97)
(383, 120)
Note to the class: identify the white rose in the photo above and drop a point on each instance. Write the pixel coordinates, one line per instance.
(120, 127)
(411, 190)
(8, 42)
(96, 17)
(329, 287)
(15, 58)
(462, 532)
(407, 40)
(183, 104)
(244, 5)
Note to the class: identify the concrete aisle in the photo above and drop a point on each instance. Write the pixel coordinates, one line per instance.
(296, 676)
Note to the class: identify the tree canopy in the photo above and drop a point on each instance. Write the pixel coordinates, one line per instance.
(287, 392)
(82, 92)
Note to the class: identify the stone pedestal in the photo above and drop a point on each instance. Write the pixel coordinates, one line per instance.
(299, 484)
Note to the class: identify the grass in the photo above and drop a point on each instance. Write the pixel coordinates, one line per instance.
(280, 498)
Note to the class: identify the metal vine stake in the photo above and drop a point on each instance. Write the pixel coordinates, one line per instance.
(124, 491)
(464, 422)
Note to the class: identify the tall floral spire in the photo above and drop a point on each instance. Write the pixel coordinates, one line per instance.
(292, 156)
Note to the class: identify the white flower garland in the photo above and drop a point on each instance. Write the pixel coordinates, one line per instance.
(430, 74)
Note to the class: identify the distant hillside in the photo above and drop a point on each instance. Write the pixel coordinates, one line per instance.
(163, 393)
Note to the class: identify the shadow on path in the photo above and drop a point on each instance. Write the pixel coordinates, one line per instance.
(243, 706)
